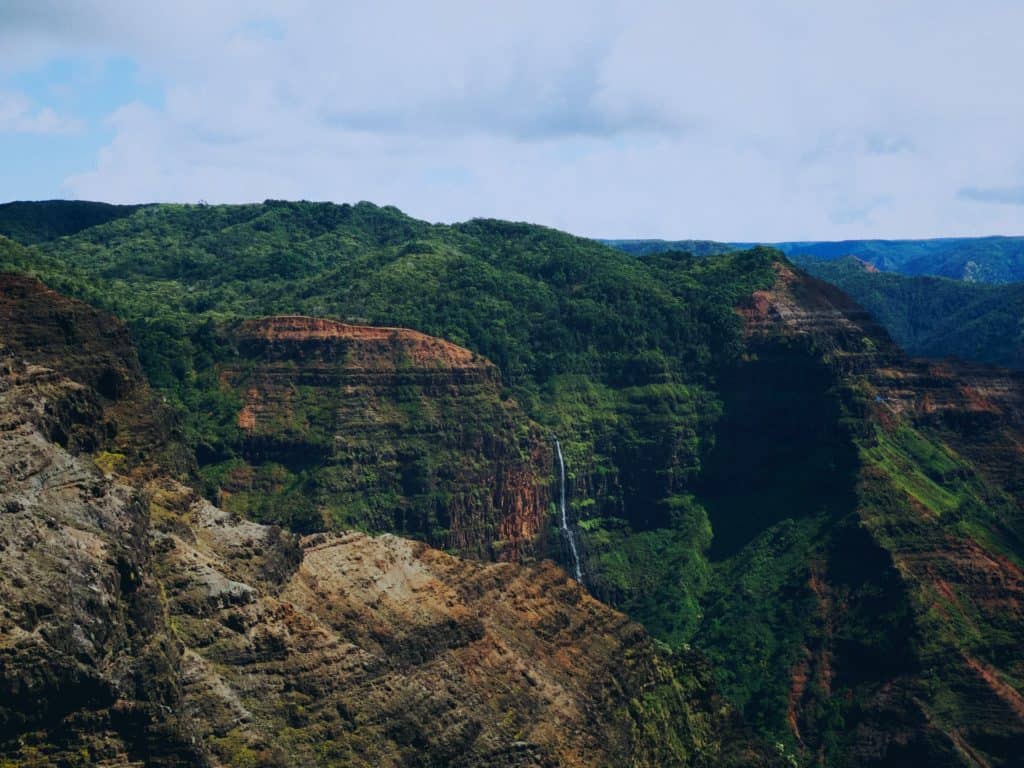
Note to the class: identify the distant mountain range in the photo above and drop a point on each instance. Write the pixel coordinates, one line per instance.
(935, 316)
(953, 297)
(949, 297)
(974, 259)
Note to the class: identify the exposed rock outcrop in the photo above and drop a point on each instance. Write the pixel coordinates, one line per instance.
(86, 660)
(383, 651)
(384, 429)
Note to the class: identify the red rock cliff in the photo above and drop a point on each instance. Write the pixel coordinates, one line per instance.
(390, 429)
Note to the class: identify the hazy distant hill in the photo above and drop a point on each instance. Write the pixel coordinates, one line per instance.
(975, 259)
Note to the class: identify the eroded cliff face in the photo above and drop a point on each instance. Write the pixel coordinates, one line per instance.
(86, 660)
(140, 624)
(978, 409)
(384, 429)
(356, 650)
(907, 587)
(48, 336)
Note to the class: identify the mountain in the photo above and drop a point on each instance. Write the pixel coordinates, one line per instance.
(974, 313)
(973, 259)
(936, 317)
(612, 356)
(823, 536)
(898, 588)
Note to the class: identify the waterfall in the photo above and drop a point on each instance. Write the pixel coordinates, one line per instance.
(568, 532)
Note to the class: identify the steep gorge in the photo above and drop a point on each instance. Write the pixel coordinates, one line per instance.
(892, 611)
(755, 470)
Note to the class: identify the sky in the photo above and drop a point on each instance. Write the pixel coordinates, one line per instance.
(731, 120)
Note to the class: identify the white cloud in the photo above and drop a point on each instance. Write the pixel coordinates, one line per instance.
(738, 120)
(18, 115)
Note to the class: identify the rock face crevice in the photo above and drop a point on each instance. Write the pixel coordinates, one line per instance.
(385, 429)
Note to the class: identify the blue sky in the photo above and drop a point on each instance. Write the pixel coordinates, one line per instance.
(738, 120)
(80, 92)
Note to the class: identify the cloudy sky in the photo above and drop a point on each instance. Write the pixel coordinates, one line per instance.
(745, 120)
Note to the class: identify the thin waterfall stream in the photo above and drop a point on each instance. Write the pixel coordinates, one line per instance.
(568, 532)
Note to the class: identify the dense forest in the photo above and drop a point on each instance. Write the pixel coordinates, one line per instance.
(31, 223)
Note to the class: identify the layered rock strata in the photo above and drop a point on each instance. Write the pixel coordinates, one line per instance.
(913, 589)
(385, 429)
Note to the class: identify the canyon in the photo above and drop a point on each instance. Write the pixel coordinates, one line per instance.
(324, 504)
(143, 625)
(925, 544)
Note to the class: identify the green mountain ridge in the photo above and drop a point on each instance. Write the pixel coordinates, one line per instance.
(30, 223)
(969, 314)
(936, 317)
(996, 259)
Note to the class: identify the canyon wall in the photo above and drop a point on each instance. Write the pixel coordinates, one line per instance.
(897, 622)
(384, 429)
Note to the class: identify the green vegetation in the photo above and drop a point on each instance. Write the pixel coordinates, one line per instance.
(923, 470)
(734, 494)
(31, 223)
(960, 314)
(536, 302)
(973, 259)
(618, 356)
(936, 317)
(758, 613)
